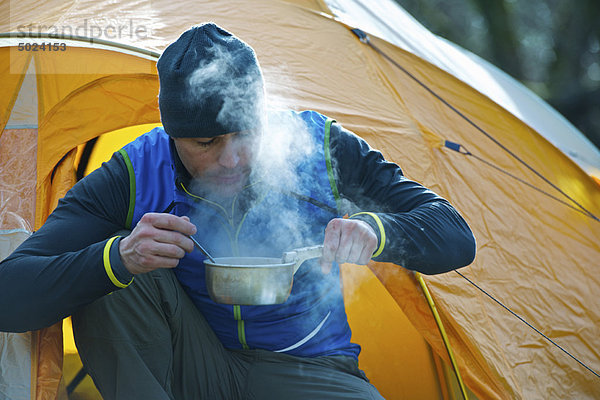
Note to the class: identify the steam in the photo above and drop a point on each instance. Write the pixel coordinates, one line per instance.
(284, 145)
(221, 78)
(281, 224)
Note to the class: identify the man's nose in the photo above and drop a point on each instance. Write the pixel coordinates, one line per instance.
(230, 153)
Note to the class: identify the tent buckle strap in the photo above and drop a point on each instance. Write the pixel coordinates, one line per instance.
(361, 35)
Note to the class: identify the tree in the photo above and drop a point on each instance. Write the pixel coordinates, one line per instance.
(551, 46)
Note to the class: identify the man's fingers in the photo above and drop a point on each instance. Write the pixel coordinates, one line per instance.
(153, 262)
(175, 238)
(355, 253)
(168, 250)
(365, 256)
(347, 241)
(330, 244)
(168, 228)
(145, 255)
(159, 240)
(170, 222)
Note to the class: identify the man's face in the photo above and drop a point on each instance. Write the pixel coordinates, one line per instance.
(221, 165)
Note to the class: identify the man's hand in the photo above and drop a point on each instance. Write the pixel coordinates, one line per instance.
(347, 241)
(157, 241)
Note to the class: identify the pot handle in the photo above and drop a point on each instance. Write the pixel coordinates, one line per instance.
(302, 254)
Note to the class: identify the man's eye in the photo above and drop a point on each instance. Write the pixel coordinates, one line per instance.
(205, 144)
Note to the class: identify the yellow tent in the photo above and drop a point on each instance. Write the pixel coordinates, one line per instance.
(533, 210)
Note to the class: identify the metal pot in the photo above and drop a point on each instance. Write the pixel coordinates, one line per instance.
(255, 280)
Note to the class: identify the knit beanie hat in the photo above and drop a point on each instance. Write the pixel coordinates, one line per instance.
(210, 84)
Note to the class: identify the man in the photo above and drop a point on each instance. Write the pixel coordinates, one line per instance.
(144, 323)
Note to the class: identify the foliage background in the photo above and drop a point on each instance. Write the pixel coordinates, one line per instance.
(551, 46)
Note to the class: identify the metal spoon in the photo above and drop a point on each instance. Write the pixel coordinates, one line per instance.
(202, 249)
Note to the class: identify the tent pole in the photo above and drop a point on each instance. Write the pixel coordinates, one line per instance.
(438, 321)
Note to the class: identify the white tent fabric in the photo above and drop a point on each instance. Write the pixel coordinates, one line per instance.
(15, 348)
(389, 21)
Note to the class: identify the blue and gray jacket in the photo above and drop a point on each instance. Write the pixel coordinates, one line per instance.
(73, 259)
(262, 221)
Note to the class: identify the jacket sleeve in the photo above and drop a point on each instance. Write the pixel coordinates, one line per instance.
(416, 228)
(73, 258)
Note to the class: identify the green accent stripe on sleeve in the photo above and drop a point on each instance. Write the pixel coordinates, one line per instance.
(327, 150)
(131, 188)
(381, 231)
(108, 267)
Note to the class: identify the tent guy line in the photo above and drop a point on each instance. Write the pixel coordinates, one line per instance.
(459, 148)
(528, 324)
(364, 38)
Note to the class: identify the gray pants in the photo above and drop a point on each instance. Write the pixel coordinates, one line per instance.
(149, 341)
